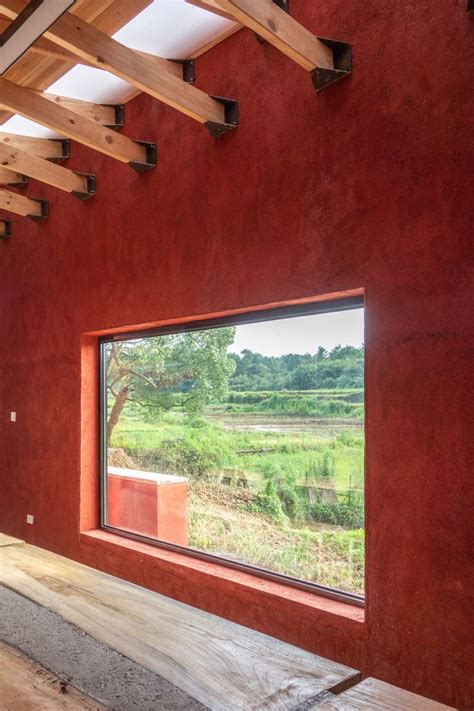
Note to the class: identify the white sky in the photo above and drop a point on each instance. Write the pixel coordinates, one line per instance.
(301, 335)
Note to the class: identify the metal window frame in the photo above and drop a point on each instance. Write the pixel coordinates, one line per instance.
(285, 312)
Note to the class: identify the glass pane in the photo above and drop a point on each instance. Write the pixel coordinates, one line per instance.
(246, 442)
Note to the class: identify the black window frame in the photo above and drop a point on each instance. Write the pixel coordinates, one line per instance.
(255, 316)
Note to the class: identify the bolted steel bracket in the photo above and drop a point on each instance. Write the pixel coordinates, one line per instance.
(65, 150)
(7, 230)
(44, 212)
(151, 157)
(231, 117)
(91, 187)
(342, 54)
(119, 115)
(189, 69)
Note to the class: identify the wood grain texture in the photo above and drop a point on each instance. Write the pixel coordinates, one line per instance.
(8, 177)
(19, 204)
(39, 72)
(374, 694)
(219, 663)
(43, 170)
(26, 686)
(102, 51)
(35, 107)
(9, 540)
(279, 29)
(45, 62)
(42, 147)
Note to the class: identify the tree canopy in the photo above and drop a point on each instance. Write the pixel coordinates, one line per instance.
(162, 372)
(343, 367)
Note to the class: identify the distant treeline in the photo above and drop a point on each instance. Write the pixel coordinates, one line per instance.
(343, 367)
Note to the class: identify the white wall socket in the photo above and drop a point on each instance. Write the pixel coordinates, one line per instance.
(30, 519)
(12, 416)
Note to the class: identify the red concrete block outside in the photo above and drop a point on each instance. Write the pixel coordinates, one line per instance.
(148, 503)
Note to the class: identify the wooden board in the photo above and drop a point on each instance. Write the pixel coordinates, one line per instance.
(221, 664)
(26, 686)
(40, 70)
(37, 72)
(374, 694)
(8, 540)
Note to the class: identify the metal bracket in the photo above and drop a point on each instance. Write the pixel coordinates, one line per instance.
(119, 115)
(151, 157)
(24, 182)
(65, 150)
(7, 230)
(189, 69)
(231, 117)
(342, 54)
(91, 187)
(44, 212)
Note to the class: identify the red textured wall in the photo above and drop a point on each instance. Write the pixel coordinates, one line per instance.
(368, 185)
(150, 509)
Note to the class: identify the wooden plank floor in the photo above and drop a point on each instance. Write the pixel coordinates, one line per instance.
(223, 665)
(374, 694)
(26, 686)
(9, 540)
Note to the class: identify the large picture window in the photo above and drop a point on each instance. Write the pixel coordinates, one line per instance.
(242, 439)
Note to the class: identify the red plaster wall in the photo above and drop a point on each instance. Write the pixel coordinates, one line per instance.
(150, 509)
(368, 185)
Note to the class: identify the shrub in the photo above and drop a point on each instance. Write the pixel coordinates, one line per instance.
(347, 515)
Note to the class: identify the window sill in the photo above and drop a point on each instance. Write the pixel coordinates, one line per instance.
(218, 589)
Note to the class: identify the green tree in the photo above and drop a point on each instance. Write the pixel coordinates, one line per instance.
(185, 370)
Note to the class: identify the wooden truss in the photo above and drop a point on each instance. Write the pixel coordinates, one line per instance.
(83, 36)
(326, 60)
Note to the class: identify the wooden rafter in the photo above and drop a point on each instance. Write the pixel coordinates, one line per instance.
(80, 185)
(151, 77)
(9, 177)
(104, 114)
(49, 148)
(212, 6)
(326, 60)
(35, 107)
(21, 205)
(40, 72)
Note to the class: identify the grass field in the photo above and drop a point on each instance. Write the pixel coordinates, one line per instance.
(276, 489)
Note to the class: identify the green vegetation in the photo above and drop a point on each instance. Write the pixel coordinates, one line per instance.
(275, 463)
(343, 367)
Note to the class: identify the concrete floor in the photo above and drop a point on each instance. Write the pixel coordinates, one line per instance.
(91, 666)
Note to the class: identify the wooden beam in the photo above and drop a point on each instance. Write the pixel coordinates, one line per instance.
(326, 60)
(5, 229)
(35, 107)
(49, 148)
(21, 205)
(104, 114)
(212, 6)
(81, 186)
(282, 31)
(8, 177)
(151, 77)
